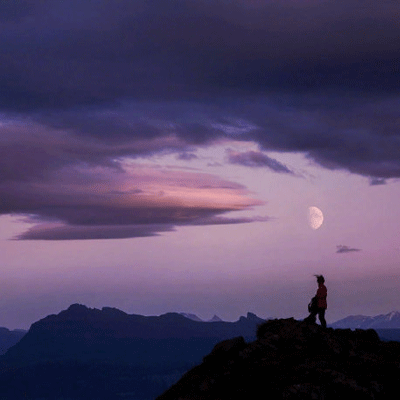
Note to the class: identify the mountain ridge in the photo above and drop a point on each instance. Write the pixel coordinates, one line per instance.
(106, 352)
(390, 320)
(84, 353)
(9, 338)
(82, 333)
(383, 323)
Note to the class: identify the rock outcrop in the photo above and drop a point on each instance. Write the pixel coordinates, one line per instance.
(295, 360)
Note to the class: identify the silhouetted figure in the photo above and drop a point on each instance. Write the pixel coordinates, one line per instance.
(318, 303)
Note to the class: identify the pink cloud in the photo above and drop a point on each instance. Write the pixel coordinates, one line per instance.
(76, 188)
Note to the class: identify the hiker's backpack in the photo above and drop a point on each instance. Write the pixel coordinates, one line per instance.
(312, 305)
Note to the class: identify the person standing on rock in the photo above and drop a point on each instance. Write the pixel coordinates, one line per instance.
(319, 304)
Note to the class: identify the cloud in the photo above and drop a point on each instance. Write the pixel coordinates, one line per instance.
(85, 86)
(62, 231)
(186, 156)
(377, 181)
(257, 159)
(78, 187)
(147, 49)
(345, 249)
(15, 11)
(228, 221)
(81, 232)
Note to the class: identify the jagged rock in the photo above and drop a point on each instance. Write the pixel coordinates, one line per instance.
(294, 360)
(227, 347)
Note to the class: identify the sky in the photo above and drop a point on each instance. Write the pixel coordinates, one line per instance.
(162, 156)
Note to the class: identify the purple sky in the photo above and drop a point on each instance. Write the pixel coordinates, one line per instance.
(161, 155)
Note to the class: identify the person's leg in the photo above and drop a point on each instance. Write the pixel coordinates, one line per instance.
(321, 317)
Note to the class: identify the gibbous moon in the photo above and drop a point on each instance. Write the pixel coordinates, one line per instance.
(315, 217)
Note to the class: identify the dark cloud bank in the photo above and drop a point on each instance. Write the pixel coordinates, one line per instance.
(84, 84)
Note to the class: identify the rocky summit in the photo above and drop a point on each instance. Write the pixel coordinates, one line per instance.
(294, 360)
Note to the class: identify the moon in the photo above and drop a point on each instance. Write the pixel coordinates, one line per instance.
(315, 217)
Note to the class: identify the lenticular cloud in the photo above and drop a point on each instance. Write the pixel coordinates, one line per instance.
(134, 200)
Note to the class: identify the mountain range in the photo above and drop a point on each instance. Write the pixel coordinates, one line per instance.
(84, 353)
(387, 322)
(109, 354)
(382, 321)
(82, 333)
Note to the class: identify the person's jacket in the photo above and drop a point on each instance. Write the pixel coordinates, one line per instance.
(321, 296)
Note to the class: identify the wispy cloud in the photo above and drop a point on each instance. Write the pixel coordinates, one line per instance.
(377, 181)
(186, 156)
(256, 159)
(60, 231)
(345, 249)
(64, 231)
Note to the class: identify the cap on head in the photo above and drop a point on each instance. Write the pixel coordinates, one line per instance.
(320, 278)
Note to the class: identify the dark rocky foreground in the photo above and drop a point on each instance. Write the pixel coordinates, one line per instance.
(295, 360)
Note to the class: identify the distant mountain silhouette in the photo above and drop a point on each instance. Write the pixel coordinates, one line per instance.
(99, 354)
(294, 360)
(193, 317)
(215, 318)
(382, 321)
(110, 334)
(10, 338)
(107, 354)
